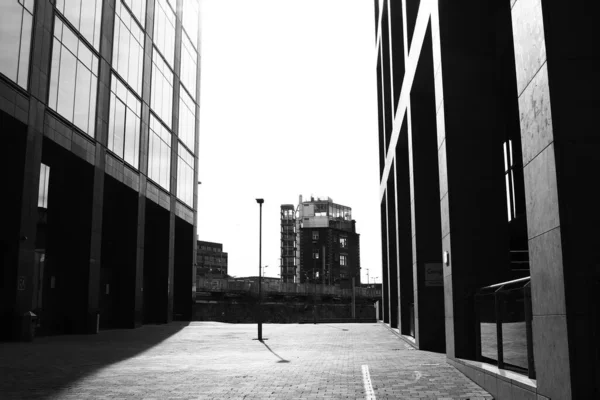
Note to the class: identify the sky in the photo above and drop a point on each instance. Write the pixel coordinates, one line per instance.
(288, 107)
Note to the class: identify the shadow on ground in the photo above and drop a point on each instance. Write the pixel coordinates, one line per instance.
(281, 359)
(50, 364)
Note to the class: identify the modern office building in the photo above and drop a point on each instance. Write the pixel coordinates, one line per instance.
(488, 149)
(211, 260)
(323, 246)
(99, 120)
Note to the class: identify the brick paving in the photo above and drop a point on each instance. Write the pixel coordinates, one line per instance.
(210, 360)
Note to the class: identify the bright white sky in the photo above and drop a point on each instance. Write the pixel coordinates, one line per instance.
(288, 107)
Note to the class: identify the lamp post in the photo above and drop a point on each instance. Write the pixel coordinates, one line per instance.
(368, 276)
(260, 203)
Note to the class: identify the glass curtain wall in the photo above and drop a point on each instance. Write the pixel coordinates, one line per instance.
(16, 21)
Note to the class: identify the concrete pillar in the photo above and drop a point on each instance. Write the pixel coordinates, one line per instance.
(474, 223)
(392, 249)
(385, 290)
(405, 258)
(25, 241)
(425, 195)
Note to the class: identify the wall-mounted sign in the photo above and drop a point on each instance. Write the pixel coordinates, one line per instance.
(434, 275)
(21, 283)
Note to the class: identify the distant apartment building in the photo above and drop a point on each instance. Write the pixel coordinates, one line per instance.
(319, 243)
(288, 243)
(211, 260)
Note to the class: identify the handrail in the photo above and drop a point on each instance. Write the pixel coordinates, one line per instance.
(501, 284)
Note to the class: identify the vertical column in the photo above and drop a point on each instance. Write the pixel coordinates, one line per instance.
(38, 86)
(385, 290)
(392, 248)
(427, 256)
(403, 207)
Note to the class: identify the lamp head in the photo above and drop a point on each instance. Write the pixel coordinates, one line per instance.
(260, 201)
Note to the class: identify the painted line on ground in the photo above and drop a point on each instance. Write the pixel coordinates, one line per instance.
(369, 392)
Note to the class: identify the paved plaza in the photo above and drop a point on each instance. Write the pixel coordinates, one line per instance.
(210, 360)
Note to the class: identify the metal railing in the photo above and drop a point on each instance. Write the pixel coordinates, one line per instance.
(503, 326)
(251, 287)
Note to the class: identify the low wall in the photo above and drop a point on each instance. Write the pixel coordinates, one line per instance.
(279, 312)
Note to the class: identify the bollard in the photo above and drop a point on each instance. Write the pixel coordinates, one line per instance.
(28, 323)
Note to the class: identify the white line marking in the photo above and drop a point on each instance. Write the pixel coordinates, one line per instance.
(369, 392)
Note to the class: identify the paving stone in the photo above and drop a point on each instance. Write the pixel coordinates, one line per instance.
(210, 360)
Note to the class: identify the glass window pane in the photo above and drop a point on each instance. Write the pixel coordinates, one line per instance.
(187, 120)
(159, 154)
(24, 50)
(54, 68)
(191, 17)
(164, 30)
(66, 80)
(162, 89)
(138, 8)
(119, 128)
(85, 19)
(82, 97)
(15, 41)
(189, 66)
(73, 86)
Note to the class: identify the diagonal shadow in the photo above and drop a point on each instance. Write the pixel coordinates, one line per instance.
(57, 362)
(281, 359)
(335, 327)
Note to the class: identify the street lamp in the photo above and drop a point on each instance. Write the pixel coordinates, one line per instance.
(260, 203)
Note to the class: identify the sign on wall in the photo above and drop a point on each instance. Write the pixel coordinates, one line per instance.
(434, 275)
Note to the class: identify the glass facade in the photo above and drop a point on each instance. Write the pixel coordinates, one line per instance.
(187, 120)
(189, 66)
(124, 123)
(164, 30)
(185, 176)
(159, 153)
(85, 16)
(128, 48)
(73, 78)
(16, 20)
(161, 99)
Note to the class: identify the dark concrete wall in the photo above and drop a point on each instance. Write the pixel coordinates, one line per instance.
(280, 312)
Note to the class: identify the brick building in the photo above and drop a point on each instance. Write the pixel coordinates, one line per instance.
(211, 260)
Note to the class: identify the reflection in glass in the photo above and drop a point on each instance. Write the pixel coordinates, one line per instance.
(128, 48)
(73, 79)
(185, 176)
(15, 40)
(85, 16)
(189, 66)
(124, 123)
(187, 120)
(514, 336)
(159, 153)
(164, 30)
(43, 188)
(161, 99)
